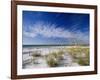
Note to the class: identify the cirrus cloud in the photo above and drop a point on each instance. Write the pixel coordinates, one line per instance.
(49, 30)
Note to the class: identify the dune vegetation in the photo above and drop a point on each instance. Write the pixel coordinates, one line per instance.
(61, 57)
(53, 58)
(80, 54)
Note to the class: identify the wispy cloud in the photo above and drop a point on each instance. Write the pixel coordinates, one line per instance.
(49, 30)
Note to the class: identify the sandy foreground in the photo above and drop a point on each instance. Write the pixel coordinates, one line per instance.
(39, 60)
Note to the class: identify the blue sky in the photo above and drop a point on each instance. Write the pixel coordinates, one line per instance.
(55, 28)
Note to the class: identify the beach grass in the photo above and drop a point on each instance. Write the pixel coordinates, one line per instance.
(80, 54)
(53, 58)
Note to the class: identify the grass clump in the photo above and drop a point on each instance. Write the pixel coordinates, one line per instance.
(80, 54)
(52, 62)
(53, 58)
(82, 61)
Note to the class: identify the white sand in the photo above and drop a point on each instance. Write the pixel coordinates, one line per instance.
(40, 62)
